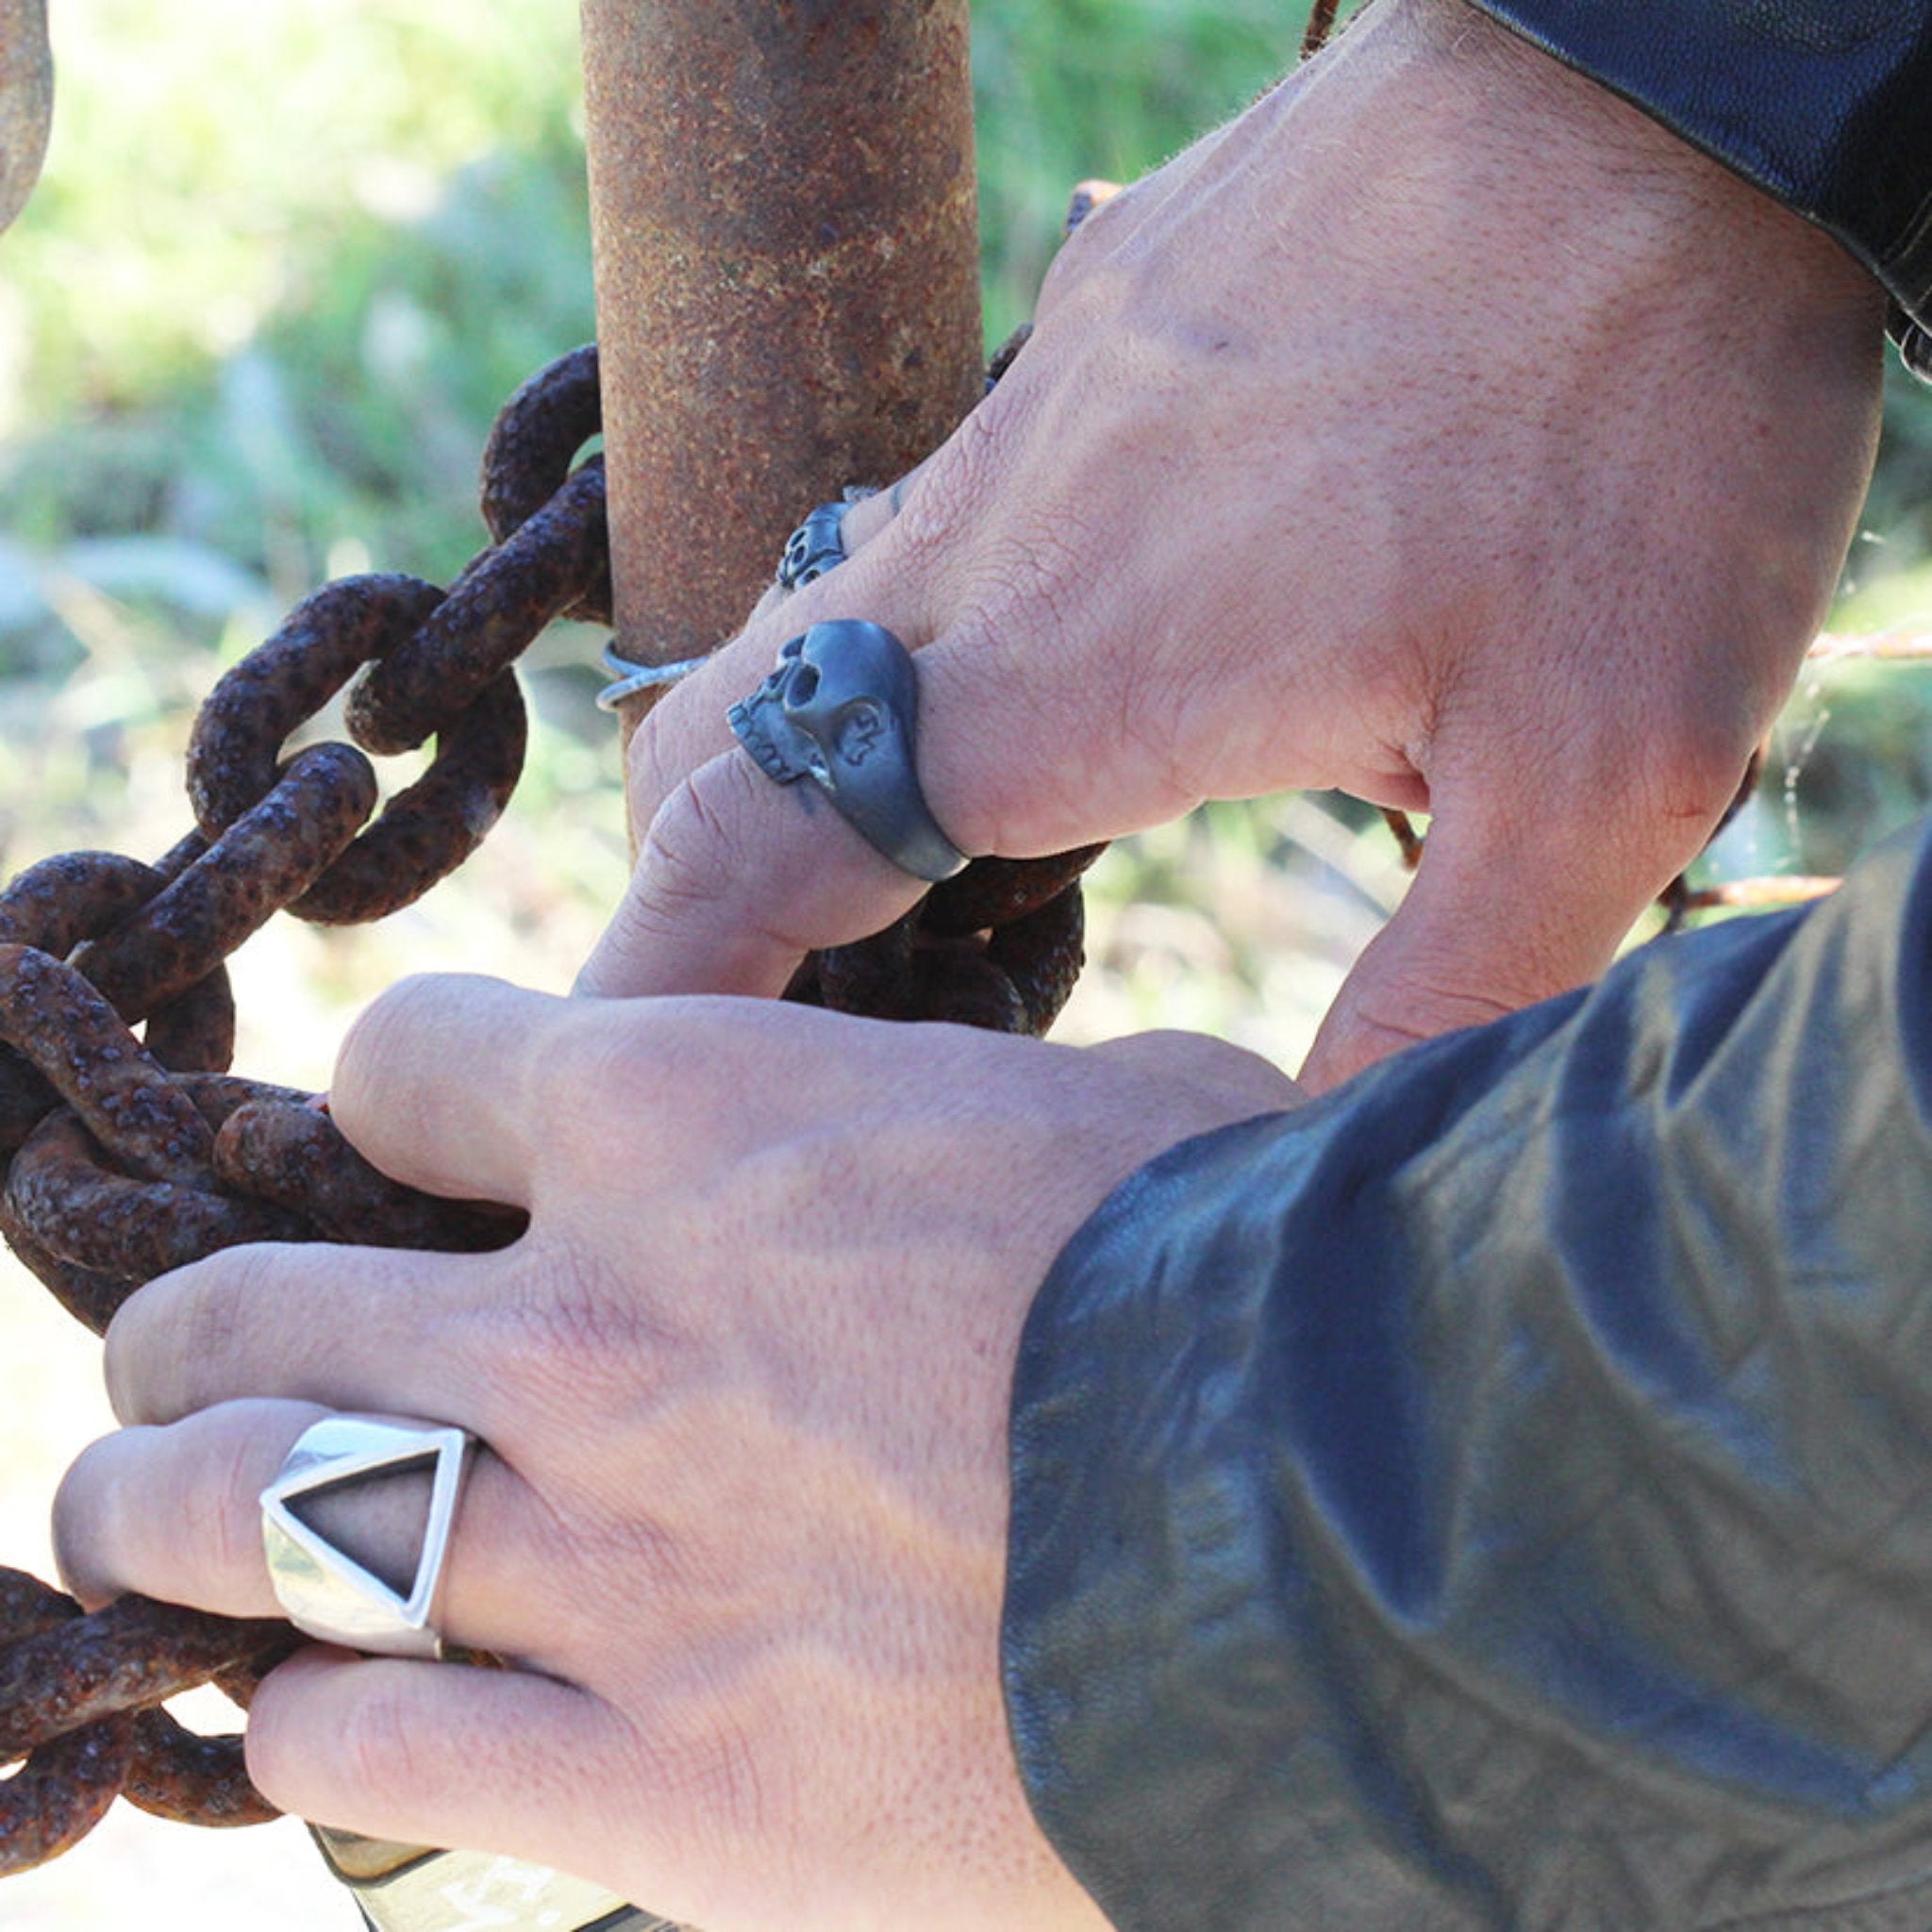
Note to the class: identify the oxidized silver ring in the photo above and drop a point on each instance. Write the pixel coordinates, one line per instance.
(818, 544)
(326, 1592)
(840, 709)
(632, 677)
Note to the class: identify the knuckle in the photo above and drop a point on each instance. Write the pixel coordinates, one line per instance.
(652, 771)
(126, 1366)
(166, 1336)
(1109, 221)
(377, 1746)
(686, 727)
(379, 1035)
(945, 503)
(1696, 775)
(222, 1514)
(723, 882)
(83, 1518)
(269, 1743)
(392, 1014)
(961, 486)
(573, 1336)
(693, 844)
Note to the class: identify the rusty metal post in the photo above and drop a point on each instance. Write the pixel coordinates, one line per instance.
(26, 100)
(784, 221)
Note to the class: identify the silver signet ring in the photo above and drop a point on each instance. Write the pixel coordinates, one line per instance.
(326, 1592)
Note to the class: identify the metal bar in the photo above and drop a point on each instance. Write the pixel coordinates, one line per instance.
(1899, 646)
(407, 1889)
(26, 101)
(784, 222)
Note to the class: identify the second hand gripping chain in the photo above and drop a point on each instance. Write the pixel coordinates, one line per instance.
(123, 1157)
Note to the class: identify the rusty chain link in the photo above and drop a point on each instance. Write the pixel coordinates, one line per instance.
(123, 1157)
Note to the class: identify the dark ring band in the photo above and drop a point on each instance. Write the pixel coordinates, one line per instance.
(816, 546)
(840, 709)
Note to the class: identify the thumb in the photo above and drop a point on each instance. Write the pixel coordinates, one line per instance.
(736, 878)
(739, 876)
(1504, 910)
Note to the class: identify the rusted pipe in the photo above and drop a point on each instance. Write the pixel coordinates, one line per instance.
(26, 101)
(784, 224)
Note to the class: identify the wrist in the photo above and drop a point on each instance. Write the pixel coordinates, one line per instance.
(1619, 186)
(1682, 209)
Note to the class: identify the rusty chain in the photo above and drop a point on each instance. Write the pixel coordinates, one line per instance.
(122, 1157)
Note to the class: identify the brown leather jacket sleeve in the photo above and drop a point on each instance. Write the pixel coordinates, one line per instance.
(1500, 1495)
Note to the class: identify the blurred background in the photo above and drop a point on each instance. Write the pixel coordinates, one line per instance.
(284, 263)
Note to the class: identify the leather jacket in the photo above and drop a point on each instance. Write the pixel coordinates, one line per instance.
(1500, 1494)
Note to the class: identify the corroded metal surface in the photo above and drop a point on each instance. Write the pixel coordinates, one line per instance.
(785, 229)
(130, 1656)
(998, 947)
(282, 1148)
(427, 830)
(537, 434)
(122, 1157)
(68, 1780)
(493, 613)
(26, 101)
(190, 1779)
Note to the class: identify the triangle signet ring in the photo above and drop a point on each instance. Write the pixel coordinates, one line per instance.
(327, 1593)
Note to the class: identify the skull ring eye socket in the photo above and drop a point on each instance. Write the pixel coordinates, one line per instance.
(840, 708)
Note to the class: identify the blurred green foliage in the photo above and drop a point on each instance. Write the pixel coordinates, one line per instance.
(1071, 88)
(286, 260)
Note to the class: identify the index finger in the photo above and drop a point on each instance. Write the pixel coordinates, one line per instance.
(437, 1084)
(737, 877)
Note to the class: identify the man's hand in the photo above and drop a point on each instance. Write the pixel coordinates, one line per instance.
(1441, 430)
(746, 1382)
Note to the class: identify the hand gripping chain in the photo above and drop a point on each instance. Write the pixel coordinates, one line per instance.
(123, 1157)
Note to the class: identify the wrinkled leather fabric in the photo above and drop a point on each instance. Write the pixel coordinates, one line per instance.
(1826, 102)
(1500, 1494)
